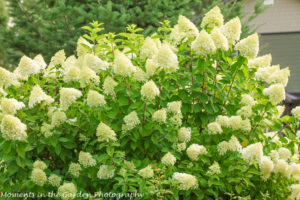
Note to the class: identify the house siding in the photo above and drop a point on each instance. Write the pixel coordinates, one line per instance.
(285, 50)
(282, 16)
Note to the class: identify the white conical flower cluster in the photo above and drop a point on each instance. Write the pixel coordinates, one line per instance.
(37, 95)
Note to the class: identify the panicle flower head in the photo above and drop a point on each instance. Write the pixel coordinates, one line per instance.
(295, 188)
(86, 159)
(274, 155)
(106, 172)
(245, 111)
(168, 159)
(151, 68)
(40, 61)
(95, 63)
(109, 86)
(81, 50)
(249, 46)
(105, 133)
(284, 153)
(176, 119)
(26, 67)
(58, 117)
(280, 110)
(39, 165)
(71, 74)
(68, 96)
(195, 150)
(160, 116)
(38, 176)
(166, 58)
(280, 76)
(67, 191)
(203, 45)
(140, 75)
(275, 92)
(7, 78)
(247, 100)
(184, 29)
(88, 77)
(295, 170)
(265, 73)
(181, 147)
(12, 128)
(174, 107)
(184, 134)
(232, 30)
(74, 169)
(149, 48)
(260, 62)
(122, 65)
(282, 166)
(37, 95)
(146, 172)
(219, 39)
(94, 99)
(235, 122)
(223, 147)
(234, 144)
(223, 121)
(11, 106)
(266, 166)
(186, 181)
(54, 180)
(214, 169)
(214, 128)
(46, 129)
(296, 112)
(253, 152)
(149, 91)
(212, 18)
(131, 120)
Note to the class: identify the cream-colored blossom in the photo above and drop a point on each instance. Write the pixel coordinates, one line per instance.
(219, 39)
(7, 78)
(105, 133)
(37, 95)
(58, 117)
(68, 96)
(295, 189)
(234, 144)
(140, 75)
(72, 74)
(274, 155)
(214, 169)
(39, 165)
(94, 99)
(109, 86)
(276, 93)
(260, 62)
(46, 129)
(11, 106)
(195, 150)
(12, 128)
(146, 172)
(280, 76)
(122, 65)
(38, 176)
(81, 50)
(232, 30)
(253, 152)
(247, 100)
(54, 180)
(223, 147)
(246, 125)
(214, 128)
(95, 63)
(67, 191)
(280, 109)
(26, 67)
(176, 119)
(149, 48)
(149, 91)
(106, 172)
(168, 159)
(151, 68)
(160, 116)
(186, 181)
(181, 147)
(166, 58)
(203, 45)
(223, 121)
(131, 120)
(235, 122)
(86, 159)
(74, 169)
(266, 166)
(184, 134)
(184, 29)
(174, 107)
(284, 153)
(88, 77)
(40, 61)
(245, 111)
(282, 166)
(249, 46)
(296, 112)
(212, 18)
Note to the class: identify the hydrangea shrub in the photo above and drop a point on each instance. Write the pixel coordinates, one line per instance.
(183, 114)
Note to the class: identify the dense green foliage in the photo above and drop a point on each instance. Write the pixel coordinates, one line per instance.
(45, 26)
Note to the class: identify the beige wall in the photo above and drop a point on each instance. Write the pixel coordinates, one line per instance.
(282, 16)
